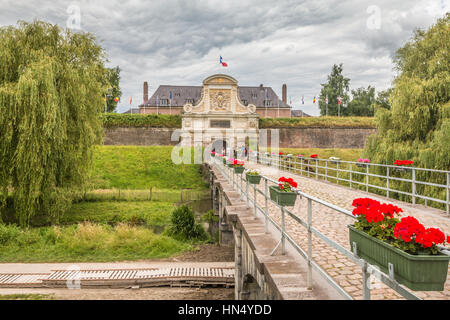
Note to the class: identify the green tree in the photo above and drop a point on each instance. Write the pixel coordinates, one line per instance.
(336, 86)
(113, 91)
(50, 105)
(361, 103)
(382, 100)
(417, 127)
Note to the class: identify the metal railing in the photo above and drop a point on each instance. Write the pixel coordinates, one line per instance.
(238, 182)
(355, 174)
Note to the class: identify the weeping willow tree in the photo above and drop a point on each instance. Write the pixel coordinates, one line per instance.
(51, 83)
(417, 127)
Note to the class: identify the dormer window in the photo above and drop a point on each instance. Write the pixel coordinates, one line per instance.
(191, 101)
(267, 103)
(245, 102)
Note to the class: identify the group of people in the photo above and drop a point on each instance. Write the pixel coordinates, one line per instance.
(242, 153)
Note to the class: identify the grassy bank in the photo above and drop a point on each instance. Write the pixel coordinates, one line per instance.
(85, 242)
(134, 167)
(126, 217)
(318, 122)
(343, 154)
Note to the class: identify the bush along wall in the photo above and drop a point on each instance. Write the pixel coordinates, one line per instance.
(111, 120)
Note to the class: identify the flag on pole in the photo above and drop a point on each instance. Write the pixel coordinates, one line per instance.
(314, 99)
(290, 100)
(339, 100)
(326, 100)
(131, 100)
(170, 97)
(223, 63)
(303, 101)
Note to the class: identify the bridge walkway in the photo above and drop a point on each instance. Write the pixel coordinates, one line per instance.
(334, 225)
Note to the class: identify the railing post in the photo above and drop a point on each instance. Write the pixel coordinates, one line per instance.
(301, 166)
(366, 279)
(351, 171)
(309, 275)
(367, 178)
(246, 192)
(283, 230)
(448, 193)
(387, 182)
(326, 170)
(317, 169)
(413, 184)
(266, 209)
(295, 165)
(254, 199)
(337, 173)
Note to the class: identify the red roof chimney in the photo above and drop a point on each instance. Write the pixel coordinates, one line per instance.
(145, 91)
(284, 93)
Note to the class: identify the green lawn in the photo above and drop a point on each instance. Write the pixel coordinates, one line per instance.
(117, 221)
(139, 167)
(343, 154)
(85, 242)
(147, 213)
(318, 122)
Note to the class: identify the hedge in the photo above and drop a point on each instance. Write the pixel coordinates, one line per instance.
(174, 121)
(111, 120)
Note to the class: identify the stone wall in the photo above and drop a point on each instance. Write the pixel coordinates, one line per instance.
(289, 137)
(138, 136)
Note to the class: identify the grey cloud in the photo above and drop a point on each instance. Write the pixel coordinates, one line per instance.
(293, 42)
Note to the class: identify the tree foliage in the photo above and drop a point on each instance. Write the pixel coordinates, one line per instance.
(361, 103)
(417, 127)
(112, 89)
(50, 101)
(336, 86)
(382, 99)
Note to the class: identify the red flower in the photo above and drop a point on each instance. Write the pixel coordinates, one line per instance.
(313, 156)
(403, 162)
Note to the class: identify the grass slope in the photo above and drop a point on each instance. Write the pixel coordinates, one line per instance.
(343, 154)
(136, 167)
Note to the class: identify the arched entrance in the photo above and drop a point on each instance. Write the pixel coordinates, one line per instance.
(250, 289)
(219, 146)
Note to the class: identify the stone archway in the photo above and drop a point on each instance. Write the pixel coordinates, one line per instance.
(250, 289)
(219, 146)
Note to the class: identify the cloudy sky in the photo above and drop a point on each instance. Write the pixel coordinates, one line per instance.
(264, 42)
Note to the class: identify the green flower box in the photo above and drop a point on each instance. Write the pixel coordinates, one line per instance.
(230, 165)
(213, 154)
(417, 272)
(282, 198)
(224, 161)
(239, 169)
(253, 179)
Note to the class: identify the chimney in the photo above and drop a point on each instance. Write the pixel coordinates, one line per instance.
(145, 91)
(284, 93)
(261, 87)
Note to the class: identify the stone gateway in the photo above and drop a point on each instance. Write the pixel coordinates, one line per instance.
(219, 118)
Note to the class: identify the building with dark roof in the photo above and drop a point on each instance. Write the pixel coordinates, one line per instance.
(169, 99)
(299, 114)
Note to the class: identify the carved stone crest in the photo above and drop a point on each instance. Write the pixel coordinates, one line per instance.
(220, 100)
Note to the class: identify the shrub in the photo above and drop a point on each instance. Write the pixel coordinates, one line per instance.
(183, 225)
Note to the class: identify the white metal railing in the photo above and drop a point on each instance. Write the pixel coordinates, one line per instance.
(344, 171)
(238, 181)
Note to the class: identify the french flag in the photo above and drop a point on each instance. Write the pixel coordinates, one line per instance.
(224, 64)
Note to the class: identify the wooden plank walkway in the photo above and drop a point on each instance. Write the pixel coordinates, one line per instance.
(144, 277)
